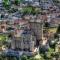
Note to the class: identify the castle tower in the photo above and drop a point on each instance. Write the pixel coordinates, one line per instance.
(37, 27)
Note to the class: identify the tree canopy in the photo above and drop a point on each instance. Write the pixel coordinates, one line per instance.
(6, 4)
(18, 1)
(30, 10)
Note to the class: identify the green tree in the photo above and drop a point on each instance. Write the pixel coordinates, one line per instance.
(17, 2)
(30, 10)
(6, 4)
(24, 57)
(32, 58)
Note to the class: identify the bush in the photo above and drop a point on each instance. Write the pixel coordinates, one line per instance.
(6, 4)
(30, 10)
(24, 57)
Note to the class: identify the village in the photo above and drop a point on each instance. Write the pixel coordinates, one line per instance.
(29, 28)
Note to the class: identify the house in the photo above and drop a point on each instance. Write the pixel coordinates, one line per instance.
(21, 24)
(46, 4)
(55, 22)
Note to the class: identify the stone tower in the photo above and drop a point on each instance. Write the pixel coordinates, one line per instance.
(37, 27)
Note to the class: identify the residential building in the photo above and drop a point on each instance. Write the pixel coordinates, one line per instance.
(46, 4)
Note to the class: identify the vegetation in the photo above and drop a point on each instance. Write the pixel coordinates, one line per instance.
(30, 10)
(52, 29)
(24, 57)
(48, 54)
(3, 40)
(3, 37)
(6, 4)
(17, 2)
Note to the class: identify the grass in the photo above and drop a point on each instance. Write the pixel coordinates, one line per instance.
(37, 56)
(3, 37)
(52, 30)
